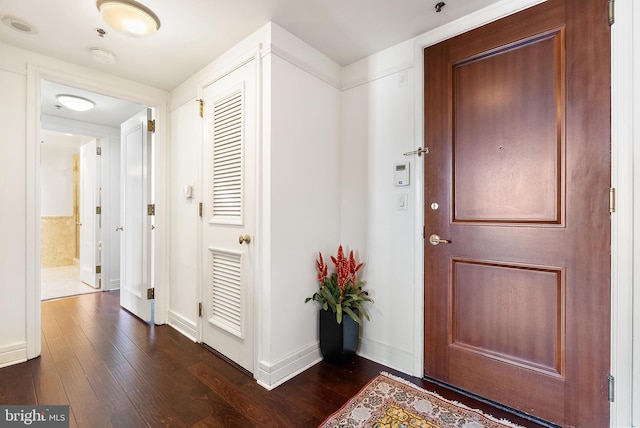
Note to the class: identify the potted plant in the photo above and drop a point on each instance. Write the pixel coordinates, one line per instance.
(340, 293)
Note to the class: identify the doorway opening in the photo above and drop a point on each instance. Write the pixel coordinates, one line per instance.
(81, 197)
(60, 209)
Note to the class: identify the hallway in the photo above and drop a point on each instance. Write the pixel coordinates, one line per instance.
(114, 370)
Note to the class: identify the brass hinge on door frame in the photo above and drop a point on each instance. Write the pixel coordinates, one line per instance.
(200, 209)
(612, 387)
(151, 125)
(612, 200)
(151, 209)
(151, 293)
(201, 101)
(612, 12)
(200, 309)
(98, 269)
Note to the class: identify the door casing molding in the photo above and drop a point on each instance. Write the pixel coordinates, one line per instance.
(118, 88)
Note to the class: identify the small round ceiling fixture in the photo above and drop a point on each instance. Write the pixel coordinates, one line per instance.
(129, 17)
(75, 103)
(18, 25)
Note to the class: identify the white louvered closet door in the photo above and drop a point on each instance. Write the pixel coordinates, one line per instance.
(228, 214)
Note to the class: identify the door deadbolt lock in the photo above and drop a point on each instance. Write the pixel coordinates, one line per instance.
(246, 239)
(435, 240)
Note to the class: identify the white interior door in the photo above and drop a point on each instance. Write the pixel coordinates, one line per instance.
(135, 245)
(228, 214)
(89, 220)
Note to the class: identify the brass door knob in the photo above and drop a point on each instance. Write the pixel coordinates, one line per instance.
(246, 239)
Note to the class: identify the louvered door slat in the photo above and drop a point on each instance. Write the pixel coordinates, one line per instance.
(228, 162)
(226, 291)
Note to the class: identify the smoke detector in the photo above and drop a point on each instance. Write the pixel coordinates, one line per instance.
(18, 25)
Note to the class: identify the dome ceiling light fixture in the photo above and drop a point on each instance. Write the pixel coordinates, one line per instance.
(75, 103)
(129, 17)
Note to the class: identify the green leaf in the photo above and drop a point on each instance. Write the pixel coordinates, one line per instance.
(353, 315)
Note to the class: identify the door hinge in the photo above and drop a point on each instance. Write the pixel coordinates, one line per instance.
(99, 151)
(200, 209)
(201, 101)
(612, 386)
(151, 293)
(612, 200)
(98, 210)
(151, 125)
(98, 269)
(200, 309)
(151, 209)
(612, 12)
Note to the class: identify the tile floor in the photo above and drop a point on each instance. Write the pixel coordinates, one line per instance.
(63, 282)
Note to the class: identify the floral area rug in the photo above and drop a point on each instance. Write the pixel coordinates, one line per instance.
(391, 402)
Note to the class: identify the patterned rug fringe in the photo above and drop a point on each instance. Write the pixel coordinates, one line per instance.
(374, 407)
(435, 394)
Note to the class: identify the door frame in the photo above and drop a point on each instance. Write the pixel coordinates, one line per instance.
(251, 54)
(624, 105)
(89, 80)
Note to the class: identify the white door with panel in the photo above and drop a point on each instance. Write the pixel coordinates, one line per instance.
(89, 218)
(229, 214)
(136, 223)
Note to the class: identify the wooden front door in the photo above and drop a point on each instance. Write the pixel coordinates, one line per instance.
(517, 304)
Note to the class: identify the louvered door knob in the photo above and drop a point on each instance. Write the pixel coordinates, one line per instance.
(246, 239)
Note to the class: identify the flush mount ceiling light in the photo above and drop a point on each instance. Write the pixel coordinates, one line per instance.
(129, 17)
(75, 103)
(18, 25)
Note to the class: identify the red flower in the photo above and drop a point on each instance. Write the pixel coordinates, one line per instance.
(322, 269)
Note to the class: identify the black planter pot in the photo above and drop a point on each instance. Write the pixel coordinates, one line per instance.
(338, 342)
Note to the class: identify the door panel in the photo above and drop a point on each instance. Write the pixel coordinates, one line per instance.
(521, 144)
(89, 224)
(228, 212)
(135, 245)
(517, 305)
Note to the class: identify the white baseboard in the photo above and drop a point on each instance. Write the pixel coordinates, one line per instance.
(384, 354)
(114, 284)
(13, 354)
(183, 325)
(270, 376)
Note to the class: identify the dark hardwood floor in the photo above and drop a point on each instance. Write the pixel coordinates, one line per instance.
(116, 371)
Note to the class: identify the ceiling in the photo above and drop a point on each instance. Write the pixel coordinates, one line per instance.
(195, 32)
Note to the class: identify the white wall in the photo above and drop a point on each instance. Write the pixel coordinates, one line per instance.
(304, 209)
(57, 180)
(185, 170)
(377, 128)
(12, 215)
